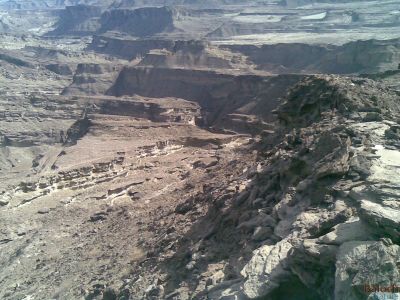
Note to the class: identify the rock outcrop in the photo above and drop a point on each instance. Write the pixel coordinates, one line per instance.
(223, 97)
(187, 152)
(318, 208)
(127, 48)
(355, 57)
(141, 22)
(352, 222)
(77, 20)
(92, 79)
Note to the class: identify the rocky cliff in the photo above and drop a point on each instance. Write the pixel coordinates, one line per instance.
(127, 48)
(195, 55)
(77, 20)
(92, 79)
(186, 152)
(220, 95)
(355, 57)
(141, 22)
(316, 217)
(161, 205)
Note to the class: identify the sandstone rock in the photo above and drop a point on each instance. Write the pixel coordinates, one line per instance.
(135, 195)
(205, 163)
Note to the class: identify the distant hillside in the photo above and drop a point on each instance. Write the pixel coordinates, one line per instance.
(139, 22)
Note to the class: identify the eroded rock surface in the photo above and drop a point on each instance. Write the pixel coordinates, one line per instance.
(182, 149)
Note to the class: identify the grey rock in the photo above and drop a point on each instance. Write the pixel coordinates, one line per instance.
(361, 165)
(154, 291)
(352, 230)
(336, 161)
(43, 210)
(313, 264)
(381, 217)
(266, 269)
(242, 197)
(372, 117)
(231, 289)
(260, 220)
(365, 263)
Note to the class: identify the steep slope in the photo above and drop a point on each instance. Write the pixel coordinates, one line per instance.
(223, 97)
(336, 171)
(195, 55)
(113, 168)
(127, 48)
(92, 79)
(368, 56)
(77, 20)
(317, 216)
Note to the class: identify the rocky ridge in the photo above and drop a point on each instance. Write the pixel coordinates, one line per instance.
(314, 209)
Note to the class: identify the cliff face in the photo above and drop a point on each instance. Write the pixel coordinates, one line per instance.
(195, 55)
(139, 22)
(314, 211)
(92, 79)
(77, 20)
(354, 57)
(127, 49)
(218, 94)
(329, 203)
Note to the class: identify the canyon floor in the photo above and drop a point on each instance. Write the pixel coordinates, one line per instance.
(199, 150)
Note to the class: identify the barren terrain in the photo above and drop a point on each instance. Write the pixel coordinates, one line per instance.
(189, 149)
